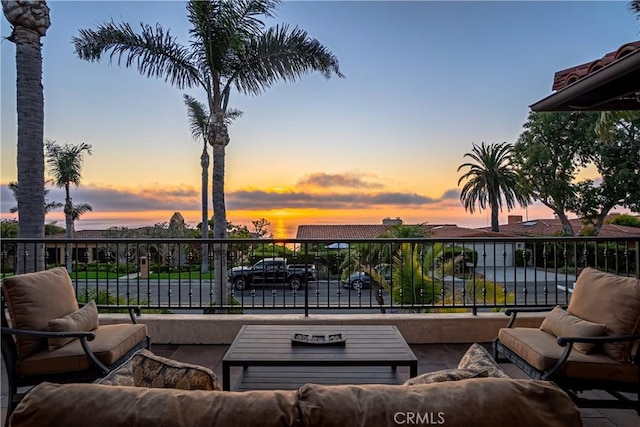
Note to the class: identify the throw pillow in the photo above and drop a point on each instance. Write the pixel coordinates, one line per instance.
(122, 375)
(477, 358)
(612, 300)
(153, 371)
(446, 375)
(82, 320)
(562, 324)
(35, 298)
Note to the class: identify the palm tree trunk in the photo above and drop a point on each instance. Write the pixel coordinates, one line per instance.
(220, 138)
(204, 228)
(68, 219)
(30, 152)
(495, 224)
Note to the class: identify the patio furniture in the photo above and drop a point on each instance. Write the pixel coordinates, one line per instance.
(593, 344)
(48, 337)
(473, 402)
(370, 354)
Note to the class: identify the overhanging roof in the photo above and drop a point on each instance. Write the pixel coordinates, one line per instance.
(606, 86)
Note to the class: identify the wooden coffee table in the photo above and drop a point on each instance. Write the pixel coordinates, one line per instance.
(371, 354)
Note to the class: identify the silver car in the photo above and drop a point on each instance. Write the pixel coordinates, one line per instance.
(362, 279)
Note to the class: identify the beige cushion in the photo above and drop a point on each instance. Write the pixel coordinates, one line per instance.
(95, 405)
(35, 298)
(562, 324)
(541, 351)
(82, 320)
(482, 402)
(154, 371)
(111, 343)
(446, 375)
(478, 359)
(611, 300)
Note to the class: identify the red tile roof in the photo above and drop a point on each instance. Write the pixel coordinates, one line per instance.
(553, 227)
(372, 231)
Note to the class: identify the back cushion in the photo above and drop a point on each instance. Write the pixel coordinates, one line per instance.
(35, 298)
(611, 300)
(471, 402)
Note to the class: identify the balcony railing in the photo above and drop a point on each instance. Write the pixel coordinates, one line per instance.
(375, 275)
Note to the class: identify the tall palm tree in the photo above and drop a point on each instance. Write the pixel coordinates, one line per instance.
(48, 206)
(65, 165)
(229, 48)
(489, 179)
(634, 5)
(79, 210)
(200, 123)
(29, 21)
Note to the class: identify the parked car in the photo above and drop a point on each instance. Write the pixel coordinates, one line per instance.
(362, 279)
(272, 270)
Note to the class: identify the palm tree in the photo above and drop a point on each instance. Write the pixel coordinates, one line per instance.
(229, 48)
(65, 165)
(634, 5)
(29, 21)
(489, 179)
(200, 123)
(79, 210)
(48, 206)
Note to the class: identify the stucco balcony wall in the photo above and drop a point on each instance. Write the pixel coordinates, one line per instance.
(416, 328)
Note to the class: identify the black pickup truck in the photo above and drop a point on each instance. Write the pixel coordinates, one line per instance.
(272, 270)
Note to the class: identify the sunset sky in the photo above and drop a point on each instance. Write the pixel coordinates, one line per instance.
(424, 80)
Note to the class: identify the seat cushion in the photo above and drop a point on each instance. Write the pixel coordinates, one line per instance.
(111, 343)
(540, 350)
(35, 298)
(562, 324)
(472, 402)
(150, 370)
(611, 300)
(82, 320)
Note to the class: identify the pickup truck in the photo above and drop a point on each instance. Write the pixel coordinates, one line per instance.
(272, 270)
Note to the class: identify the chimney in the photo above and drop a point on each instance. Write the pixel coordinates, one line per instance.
(389, 222)
(512, 219)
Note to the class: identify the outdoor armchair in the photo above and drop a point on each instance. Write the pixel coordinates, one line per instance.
(592, 344)
(48, 337)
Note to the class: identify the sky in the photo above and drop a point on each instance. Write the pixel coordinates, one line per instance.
(423, 82)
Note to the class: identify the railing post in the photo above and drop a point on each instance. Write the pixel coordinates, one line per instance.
(306, 280)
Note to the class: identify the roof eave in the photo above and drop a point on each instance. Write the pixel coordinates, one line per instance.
(614, 87)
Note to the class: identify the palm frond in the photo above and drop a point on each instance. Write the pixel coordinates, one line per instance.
(153, 51)
(79, 210)
(199, 117)
(280, 54)
(65, 162)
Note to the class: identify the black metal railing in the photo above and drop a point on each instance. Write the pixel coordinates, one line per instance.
(378, 275)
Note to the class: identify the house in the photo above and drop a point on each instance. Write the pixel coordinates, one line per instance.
(489, 254)
(606, 84)
(553, 227)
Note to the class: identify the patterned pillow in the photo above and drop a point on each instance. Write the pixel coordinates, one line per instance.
(477, 358)
(153, 371)
(446, 375)
(120, 376)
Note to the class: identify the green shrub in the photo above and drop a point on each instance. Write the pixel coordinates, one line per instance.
(625, 219)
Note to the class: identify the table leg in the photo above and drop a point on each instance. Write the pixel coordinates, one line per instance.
(226, 376)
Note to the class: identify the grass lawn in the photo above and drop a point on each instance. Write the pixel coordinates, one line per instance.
(184, 275)
(81, 275)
